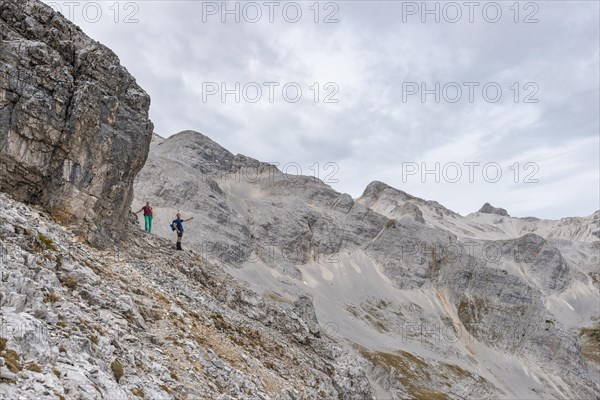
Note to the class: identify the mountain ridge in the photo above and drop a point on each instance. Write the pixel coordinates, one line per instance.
(374, 186)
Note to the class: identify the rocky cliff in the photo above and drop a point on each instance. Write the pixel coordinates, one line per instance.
(74, 127)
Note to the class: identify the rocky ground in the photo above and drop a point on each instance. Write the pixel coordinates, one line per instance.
(145, 321)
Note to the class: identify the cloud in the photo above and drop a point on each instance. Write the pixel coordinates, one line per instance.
(371, 54)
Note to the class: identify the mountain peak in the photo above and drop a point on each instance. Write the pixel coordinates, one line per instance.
(190, 133)
(192, 136)
(487, 208)
(375, 188)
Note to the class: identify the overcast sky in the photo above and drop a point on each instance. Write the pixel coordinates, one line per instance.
(371, 62)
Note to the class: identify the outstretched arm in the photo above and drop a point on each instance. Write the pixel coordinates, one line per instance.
(140, 210)
(189, 219)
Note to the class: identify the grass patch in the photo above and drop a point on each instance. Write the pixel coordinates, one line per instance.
(408, 369)
(391, 224)
(10, 357)
(12, 361)
(277, 297)
(458, 371)
(174, 376)
(56, 373)
(377, 324)
(220, 323)
(138, 392)
(590, 348)
(47, 242)
(428, 394)
(270, 365)
(117, 370)
(165, 388)
(33, 367)
(83, 325)
(71, 282)
(417, 376)
(52, 298)
(94, 267)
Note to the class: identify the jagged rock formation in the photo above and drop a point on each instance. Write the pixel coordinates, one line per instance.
(74, 128)
(408, 282)
(487, 208)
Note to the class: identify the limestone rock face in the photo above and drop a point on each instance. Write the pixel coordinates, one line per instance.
(413, 211)
(74, 127)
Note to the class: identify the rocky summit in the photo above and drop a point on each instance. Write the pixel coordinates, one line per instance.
(489, 209)
(285, 289)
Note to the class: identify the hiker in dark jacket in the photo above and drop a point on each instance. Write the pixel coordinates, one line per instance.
(178, 225)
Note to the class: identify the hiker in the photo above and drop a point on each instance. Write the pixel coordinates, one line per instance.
(147, 209)
(177, 225)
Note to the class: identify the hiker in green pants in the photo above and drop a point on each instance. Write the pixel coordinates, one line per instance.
(147, 209)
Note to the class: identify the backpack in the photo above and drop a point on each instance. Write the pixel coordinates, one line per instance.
(172, 227)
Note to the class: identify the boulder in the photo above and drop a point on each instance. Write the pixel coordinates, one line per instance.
(306, 310)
